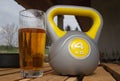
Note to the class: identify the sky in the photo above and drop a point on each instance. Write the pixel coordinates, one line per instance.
(9, 13)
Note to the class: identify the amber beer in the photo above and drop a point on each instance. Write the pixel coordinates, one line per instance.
(31, 48)
(32, 36)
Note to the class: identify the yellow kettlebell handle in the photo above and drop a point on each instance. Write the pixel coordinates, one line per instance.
(93, 32)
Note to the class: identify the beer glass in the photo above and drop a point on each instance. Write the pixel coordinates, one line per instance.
(32, 36)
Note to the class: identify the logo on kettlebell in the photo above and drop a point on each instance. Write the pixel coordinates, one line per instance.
(79, 48)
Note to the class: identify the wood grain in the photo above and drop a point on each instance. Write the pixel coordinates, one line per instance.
(114, 69)
(99, 75)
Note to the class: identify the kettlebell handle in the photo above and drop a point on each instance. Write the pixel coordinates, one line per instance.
(93, 32)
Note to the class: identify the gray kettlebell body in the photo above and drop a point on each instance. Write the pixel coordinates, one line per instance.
(66, 64)
(75, 52)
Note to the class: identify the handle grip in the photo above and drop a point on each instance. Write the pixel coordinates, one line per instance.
(93, 32)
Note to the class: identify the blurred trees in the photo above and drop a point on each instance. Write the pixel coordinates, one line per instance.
(68, 28)
(9, 35)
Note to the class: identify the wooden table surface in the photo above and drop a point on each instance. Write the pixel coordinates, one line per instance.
(100, 74)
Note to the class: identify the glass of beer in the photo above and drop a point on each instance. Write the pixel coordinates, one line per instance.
(32, 36)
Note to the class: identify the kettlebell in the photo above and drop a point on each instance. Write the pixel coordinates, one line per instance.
(74, 52)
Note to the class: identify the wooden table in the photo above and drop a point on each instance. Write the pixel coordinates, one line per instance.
(100, 74)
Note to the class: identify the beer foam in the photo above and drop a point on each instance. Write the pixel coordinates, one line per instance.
(28, 13)
(32, 18)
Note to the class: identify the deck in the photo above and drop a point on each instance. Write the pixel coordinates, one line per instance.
(105, 72)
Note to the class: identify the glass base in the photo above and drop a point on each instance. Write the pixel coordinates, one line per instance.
(31, 73)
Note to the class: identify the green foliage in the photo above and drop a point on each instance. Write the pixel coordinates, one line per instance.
(46, 51)
(8, 49)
